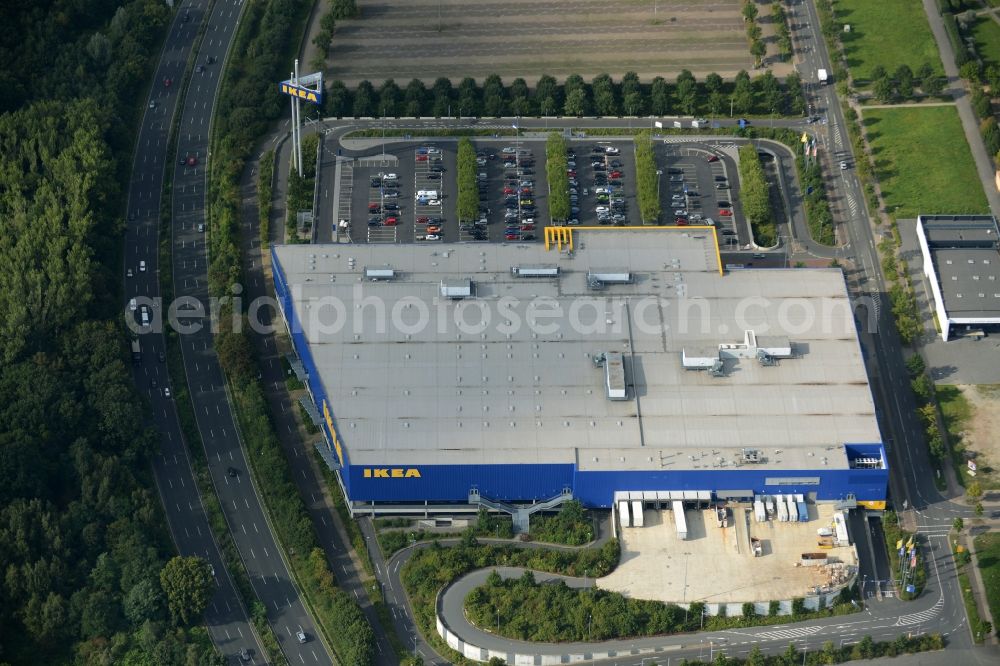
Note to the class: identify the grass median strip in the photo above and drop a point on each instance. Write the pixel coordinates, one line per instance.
(555, 172)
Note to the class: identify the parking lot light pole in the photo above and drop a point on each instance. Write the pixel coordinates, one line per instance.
(517, 166)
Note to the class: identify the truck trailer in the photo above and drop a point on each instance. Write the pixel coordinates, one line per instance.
(822, 76)
(623, 513)
(636, 513)
(679, 520)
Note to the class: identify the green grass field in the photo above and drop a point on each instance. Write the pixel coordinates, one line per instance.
(988, 552)
(923, 161)
(986, 32)
(888, 33)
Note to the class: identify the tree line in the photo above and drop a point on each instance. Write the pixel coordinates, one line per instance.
(88, 576)
(762, 95)
(646, 179)
(755, 196)
(468, 188)
(558, 180)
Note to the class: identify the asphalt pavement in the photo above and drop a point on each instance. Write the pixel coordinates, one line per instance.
(248, 523)
(226, 618)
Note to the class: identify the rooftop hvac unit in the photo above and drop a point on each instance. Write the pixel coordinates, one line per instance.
(376, 274)
(750, 455)
(535, 271)
(610, 277)
(614, 376)
(718, 368)
(456, 289)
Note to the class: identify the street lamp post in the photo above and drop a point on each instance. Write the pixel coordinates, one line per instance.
(590, 624)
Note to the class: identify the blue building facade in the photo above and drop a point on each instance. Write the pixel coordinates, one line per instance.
(417, 484)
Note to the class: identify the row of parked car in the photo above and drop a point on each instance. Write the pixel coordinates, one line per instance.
(429, 166)
(383, 206)
(518, 193)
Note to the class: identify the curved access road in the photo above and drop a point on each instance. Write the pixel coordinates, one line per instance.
(248, 521)
(938, 610)
(226, 618)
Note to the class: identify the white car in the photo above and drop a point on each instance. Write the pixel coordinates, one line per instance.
(678, 197)
(131, 305)
(128, 272)
(602, 209)
(142, 266)
(611, 150)
(389, 176)
(432, 237)
(152, 103)
(508, 150)
(434, 202)
(843, 166)
(300, 635)
(680, 212)
(166, 391)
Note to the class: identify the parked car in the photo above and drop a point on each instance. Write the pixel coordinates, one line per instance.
(725, 212)
(713, 158)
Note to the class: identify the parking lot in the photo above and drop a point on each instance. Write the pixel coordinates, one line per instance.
(410, 194)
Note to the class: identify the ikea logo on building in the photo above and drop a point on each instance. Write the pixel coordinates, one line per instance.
(391, 473)
(302, 93)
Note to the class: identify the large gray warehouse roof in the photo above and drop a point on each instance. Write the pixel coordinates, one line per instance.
(525, 387)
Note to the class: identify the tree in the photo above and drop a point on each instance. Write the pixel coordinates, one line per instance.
(468, 97)
(713, 83)
(687, 92)
(878, 72)
(756, 657)
(188, 585)
(493, 96)
(793, 85)
(605, 102)
(970, 71)
(496, 661)
(742, 97)
(659, 95)
(884, 90)
(388, 98)
(364, 100)
(547, 95)
(144, 602)
(415, 98)
(974, 490)
(749, 11)
(576, 103)
(958, 525)
(337, 102)
(915, 365)
(758, 49)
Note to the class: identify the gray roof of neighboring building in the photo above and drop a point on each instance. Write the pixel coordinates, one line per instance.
(526, 389)
(965, 251)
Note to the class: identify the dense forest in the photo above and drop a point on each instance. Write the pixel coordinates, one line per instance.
(82, 536)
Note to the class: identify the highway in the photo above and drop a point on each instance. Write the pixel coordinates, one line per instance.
(226, 618)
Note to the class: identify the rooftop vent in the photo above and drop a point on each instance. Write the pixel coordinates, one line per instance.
(599, 279)
(535, 271)
(376, 274)
(750, 455)
(456, 289)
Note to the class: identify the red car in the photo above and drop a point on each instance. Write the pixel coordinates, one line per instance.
(725, 212)
(421, 158)
(571, 173)
(680, 221)
(390, 222)
(423, 220)
(374, 208)
(167, 81)
(508, 190)
(192, 160)
(713, 158)
(527, 227)
(511, 236)
(615, 174)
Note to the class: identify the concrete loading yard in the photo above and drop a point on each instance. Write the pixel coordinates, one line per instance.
(657, 564)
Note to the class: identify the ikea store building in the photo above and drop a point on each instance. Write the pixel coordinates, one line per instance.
(616, 364)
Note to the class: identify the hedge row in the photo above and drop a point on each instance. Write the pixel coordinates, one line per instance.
(817, 205)
(647, 182)
(756, 198)
(555, 171)
(468, 190)
(265, 191)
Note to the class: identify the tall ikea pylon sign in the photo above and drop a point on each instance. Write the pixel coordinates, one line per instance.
(309, 88)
